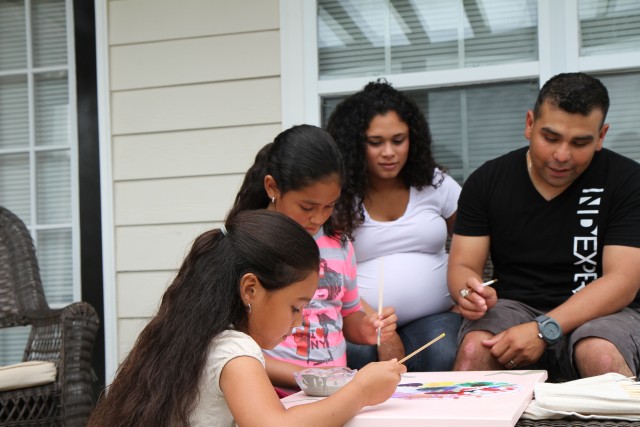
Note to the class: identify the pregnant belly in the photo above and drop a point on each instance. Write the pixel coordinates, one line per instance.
(413, 283)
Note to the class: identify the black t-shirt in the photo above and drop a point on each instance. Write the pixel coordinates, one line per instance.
(543, 251)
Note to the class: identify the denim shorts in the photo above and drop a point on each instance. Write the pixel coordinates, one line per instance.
(622, 329)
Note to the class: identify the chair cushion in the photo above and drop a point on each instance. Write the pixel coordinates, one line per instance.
(26, 374)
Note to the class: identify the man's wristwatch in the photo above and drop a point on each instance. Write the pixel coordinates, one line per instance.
(549, 329)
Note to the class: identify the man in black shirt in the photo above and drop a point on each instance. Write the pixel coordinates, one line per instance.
(561, 220)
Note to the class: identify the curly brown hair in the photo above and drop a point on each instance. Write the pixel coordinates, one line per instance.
(348, 125)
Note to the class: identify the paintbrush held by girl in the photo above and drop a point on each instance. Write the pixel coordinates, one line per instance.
(199, 361)
(399, 205)
(300, 174)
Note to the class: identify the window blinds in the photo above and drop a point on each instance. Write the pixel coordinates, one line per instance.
(36, 144)
(473, 124)
(374, 37)
(609, 26)
(624, 92)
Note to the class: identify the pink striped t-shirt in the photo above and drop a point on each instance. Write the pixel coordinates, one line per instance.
(320, 341)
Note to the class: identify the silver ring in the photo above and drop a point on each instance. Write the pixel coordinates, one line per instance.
(511, 364)
(464, 293)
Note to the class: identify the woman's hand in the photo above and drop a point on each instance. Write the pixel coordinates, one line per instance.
(386, 322)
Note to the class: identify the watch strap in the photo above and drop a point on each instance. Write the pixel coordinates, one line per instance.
(542, 320)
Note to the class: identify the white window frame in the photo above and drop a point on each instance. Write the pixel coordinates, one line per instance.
(33, 149)
(110, 321)
(558, 47)
(30, 70)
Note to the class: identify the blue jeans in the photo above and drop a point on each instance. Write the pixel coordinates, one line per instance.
(437, 357)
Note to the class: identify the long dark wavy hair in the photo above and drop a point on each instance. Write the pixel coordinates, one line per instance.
(348, 125)
(157, 384)
(298, 157)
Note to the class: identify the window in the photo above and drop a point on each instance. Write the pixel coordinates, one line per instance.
(607, 26)
(468, 125)
(37, 145)
(610, 40)
(624, 91)
(374, 37)
(474, 67)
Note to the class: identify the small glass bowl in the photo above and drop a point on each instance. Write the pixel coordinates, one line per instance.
(323, 382)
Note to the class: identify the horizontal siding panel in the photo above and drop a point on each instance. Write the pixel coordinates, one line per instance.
(183, 200)
(188, 61)
(152, 20)
(139, 294)
(189, 153)
(128, 331)
(203, 106)
(155, 247)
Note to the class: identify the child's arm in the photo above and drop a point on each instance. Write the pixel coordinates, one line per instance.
(253, 401)
(281, 373)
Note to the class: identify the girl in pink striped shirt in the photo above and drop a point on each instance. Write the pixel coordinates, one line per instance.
(300, 174)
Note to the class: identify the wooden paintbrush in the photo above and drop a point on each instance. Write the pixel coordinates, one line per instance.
(404, 359)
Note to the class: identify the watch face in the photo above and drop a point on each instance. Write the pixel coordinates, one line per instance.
(551, 330)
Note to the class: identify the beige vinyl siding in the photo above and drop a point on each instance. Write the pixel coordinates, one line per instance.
(175, 200)
(201, 106)
(155, 247)
(128, 330)
(223, 58)
(148, 249)
(139, 21)
(195, 92)
(140, 292)
(198, 152)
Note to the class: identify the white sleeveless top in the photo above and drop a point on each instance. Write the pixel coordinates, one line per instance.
(212, 409)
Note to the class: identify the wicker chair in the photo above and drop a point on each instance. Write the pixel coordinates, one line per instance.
(64, 337)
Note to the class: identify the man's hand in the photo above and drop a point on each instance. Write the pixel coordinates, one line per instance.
(519, 345)
(478, 300)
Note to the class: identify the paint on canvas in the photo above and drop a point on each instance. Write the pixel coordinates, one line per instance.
(453, 390)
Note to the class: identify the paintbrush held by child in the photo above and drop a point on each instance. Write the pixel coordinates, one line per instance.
(300, 174)
(399, 205)
(199, 361)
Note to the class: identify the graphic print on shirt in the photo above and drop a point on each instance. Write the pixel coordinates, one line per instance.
(307, 340)
(585, 243)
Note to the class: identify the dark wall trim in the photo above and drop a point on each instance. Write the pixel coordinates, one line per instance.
(89, 174)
